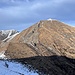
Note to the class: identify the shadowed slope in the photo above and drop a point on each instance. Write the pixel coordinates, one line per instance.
(50, 65)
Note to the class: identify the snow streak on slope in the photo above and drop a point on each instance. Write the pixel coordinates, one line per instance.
(14, 68)
(2, 56)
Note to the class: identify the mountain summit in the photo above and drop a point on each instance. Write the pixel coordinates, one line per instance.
(45, 38)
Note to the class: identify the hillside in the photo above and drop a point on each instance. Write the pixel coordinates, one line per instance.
(45, 38)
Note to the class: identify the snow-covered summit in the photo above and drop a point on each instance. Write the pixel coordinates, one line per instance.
(49, 19)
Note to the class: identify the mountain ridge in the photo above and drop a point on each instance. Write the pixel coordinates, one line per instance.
(45, 38)
(47, 47)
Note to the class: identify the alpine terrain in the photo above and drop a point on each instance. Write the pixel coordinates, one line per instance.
(45, 38)
(48, 46)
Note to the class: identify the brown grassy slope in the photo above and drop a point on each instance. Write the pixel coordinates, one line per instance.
(59, 37)
(45, 38)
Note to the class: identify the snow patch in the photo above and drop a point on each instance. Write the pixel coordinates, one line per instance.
(14, 68)
(10, 37)
(13, 36)
(50, 19)
(2, 56)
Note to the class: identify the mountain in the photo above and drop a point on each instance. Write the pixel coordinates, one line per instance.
(45, 38)
(46, 48)
(5, 37)
(7, 34)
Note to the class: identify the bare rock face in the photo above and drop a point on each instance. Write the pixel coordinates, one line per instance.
(45, 38)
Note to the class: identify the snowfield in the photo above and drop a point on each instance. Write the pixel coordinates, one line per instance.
(14, 68)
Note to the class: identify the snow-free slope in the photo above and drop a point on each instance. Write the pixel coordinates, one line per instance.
(45, 38)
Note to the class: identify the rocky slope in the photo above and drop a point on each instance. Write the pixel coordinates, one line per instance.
(45, 38)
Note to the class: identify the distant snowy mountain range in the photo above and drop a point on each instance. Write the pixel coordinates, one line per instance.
(6, 35)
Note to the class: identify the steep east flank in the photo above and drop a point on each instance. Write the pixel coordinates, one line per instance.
(45, 38)
(59, 37)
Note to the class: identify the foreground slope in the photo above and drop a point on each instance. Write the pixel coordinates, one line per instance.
(45, 38)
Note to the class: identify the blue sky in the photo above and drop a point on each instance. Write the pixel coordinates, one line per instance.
(20, 14)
